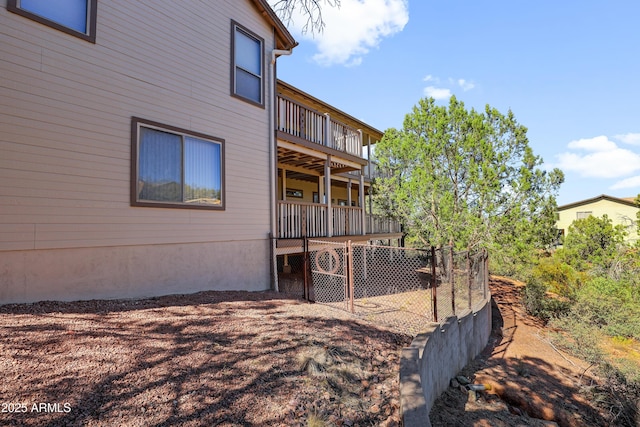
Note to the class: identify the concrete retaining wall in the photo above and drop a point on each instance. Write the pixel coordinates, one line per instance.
(434, 357)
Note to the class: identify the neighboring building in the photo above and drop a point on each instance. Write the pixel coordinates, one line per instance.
(138, 155)
(620, 211)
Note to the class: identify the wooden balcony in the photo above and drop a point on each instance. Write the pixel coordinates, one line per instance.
(305, 125)
(298, 219)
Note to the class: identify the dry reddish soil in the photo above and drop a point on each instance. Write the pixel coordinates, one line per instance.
(532, 382)
(213, 358)
(257, 359)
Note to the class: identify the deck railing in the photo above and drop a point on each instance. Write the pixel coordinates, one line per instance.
(298, 120)
(377, 224)
(299, 219)
(347, 221)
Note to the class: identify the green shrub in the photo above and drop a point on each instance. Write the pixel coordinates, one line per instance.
(537, 302)
(558, 276)
(593, 243)
(609, 305)
(579, 338)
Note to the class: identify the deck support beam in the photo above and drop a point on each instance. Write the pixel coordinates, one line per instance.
(327, 190)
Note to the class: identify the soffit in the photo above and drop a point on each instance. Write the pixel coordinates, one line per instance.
(284, 39)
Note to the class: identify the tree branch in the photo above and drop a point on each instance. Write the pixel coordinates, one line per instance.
(311, 9)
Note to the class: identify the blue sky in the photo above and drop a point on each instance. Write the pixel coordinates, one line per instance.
(569, 71)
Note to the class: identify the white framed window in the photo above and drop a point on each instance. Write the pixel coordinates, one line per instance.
(173, 167)
(247, 62)
(75, 17)
(583, 215)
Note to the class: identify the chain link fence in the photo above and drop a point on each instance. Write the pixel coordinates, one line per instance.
(401, 287)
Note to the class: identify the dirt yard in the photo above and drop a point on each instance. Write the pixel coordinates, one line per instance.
(213, 358)
(532, 382)
(255, 359)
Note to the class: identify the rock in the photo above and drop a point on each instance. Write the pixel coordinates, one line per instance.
(463, 380)
(515, 411)
(374, 409)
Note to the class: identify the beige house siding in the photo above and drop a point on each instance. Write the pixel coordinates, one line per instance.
(65, 143)
(620, 211)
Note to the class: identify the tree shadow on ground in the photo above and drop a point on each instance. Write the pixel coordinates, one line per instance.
(525, 390)
(99, 306)
(205, 360)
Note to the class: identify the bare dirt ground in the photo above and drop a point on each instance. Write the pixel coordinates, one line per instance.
(533, 383)
(213, 358)
(257, 359)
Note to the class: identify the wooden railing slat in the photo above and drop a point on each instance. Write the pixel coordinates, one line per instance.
(298, 120)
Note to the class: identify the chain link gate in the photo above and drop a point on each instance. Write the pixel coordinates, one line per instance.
(329, 268)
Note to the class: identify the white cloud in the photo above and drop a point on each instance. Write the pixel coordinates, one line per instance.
(629, 138)
(437, 93)
(632, 182)
(603, 159)
(446, 89)
(353, 29)
(465, 85)
(598, 143)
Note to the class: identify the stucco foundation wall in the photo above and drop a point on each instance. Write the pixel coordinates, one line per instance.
(133, 271)
(434, 357)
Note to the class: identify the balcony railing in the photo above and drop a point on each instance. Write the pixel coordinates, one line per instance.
(347, 221)
(298, 120)
(298, 219)
(381, 225)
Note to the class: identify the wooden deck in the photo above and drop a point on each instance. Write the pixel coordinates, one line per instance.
(299, 219)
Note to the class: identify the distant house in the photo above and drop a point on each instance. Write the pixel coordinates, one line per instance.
(147, 148)
(621, 211)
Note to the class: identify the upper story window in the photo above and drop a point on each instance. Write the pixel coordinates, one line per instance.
(75, 17)
(247, 59)
(583, 215)
(174, 167)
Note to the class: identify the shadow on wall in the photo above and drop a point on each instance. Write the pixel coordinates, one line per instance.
(434, 357)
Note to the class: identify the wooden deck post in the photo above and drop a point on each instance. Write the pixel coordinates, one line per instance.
(361, 202)
(327, 189)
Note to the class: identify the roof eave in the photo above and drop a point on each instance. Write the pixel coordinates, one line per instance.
(596, 199)
(284, 39)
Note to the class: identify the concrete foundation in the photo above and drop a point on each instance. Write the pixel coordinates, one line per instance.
(133, 271)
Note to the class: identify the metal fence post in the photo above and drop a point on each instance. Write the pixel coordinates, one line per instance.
(350, 274)
(453, 281)
(305, 267)
(434, 284)
(469, 277)
(485, 273)
(274, 264)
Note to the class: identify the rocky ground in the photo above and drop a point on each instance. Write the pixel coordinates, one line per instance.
(213, 358)
(260, 359)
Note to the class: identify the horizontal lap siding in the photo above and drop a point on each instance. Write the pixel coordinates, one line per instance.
(65, 117)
